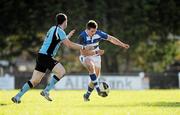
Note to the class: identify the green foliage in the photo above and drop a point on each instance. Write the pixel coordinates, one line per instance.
(144, 24)
(155, 55)
(178, 50)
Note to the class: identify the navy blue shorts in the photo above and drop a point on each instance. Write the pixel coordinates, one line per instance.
(44, 62)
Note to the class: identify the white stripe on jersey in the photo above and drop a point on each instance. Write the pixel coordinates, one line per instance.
(96, 36)
(57, 35)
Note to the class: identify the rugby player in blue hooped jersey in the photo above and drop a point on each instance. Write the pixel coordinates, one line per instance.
(91, 59)
(45, 58)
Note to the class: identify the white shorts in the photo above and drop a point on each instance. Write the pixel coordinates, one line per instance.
(96, 60)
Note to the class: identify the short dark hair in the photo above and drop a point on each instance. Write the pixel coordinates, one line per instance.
(91, 24)
(60, 18)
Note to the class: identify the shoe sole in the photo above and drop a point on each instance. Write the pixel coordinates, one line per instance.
(15, 101)
(49, 99)
(85, 99)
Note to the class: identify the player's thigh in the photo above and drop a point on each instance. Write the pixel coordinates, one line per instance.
(59, 70)
(36, 77)
(97, 63)
(86, 61)
(89, 62)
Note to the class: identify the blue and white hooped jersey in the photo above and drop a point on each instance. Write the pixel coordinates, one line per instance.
(86, 40)
(54, 36)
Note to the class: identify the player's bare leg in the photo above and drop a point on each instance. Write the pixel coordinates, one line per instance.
(90, 65)
(36, 78)
(59, 72)
(91, 85)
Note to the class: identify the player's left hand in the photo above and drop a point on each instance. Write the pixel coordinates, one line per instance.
(71, 33)
(126, 46)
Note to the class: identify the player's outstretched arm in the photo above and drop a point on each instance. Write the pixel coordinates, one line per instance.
(75, 46)
(117, 42)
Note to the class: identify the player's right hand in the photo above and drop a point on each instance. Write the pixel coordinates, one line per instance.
(71, 33)
(126, 46)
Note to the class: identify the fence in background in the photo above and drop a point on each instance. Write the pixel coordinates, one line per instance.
(135, 82)
(126, 82)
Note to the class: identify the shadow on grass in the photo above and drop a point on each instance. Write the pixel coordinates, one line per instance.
(162, 104)
(3, 104)
(146, 104)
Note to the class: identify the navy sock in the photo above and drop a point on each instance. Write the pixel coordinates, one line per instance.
(95, 82)
(89, 91)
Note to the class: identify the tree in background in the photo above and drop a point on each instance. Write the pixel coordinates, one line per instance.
(144, 24)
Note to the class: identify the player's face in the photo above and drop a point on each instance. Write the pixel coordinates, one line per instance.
(65, 24)
(92, 31)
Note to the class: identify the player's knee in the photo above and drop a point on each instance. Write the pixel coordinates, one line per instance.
(91, 68)
(63, 71)
(89, 65)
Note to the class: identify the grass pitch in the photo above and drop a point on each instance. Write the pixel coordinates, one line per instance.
(70, 102)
